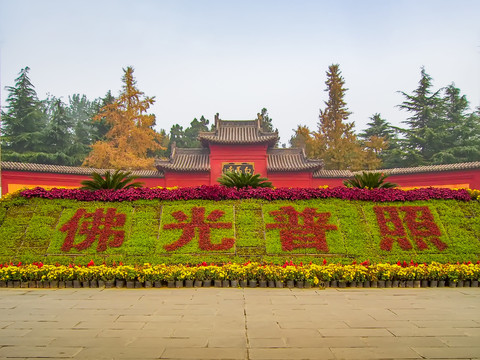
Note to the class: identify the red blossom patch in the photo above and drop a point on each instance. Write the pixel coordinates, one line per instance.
(417, 219)
(306, 229)
(203, 224)
(94, 225)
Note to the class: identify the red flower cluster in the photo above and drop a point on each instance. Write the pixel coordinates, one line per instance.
(308, 233)
(101, 225)
(203, 224)
(218, 193)
(417, 219)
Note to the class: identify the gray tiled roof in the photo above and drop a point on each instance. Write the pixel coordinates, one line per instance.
(74, 170)
(290, 160)
(186, 160)
(399, 171)
(238, 132)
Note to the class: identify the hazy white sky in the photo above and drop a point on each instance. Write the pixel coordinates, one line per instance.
(235, 57)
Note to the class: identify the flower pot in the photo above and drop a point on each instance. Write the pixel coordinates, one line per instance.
(366, 283)
(278, 283)
(460, 283)
(16, 283)
(171, 283)
(157, 284)
(441, 283)
(466, 283)
(359, 284)
(76, 284)
(383, 283)
(179, 283)
(61, 284)
(243, 283)
(262, 283)
(109, 284)
(353, 284)
(452, 283)
(86, 284)
(300, 284)
(389, 283)
(252, 283)
(409, 284)
(416, 283)
(148, 284)
(403, 283)
(433, 283)
(474, 283)
(226, 283)
(207, 283)
(308, 285)
(119, 283)
(342, 284)
(188, 283)
(138, 284)
(130, 284)
(24, 284)
(324, 284)
(290, 284)
(217, 283)
(68, 284)
(234, 283)
(333, 283)
(271, 283)
(53, 284)
(3, 284)
(198, 283)
(93, 283)
(101, 283)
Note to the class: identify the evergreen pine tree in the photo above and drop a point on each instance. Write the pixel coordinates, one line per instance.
(24, 120)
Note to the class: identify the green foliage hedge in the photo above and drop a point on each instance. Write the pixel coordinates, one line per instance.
(31, 231)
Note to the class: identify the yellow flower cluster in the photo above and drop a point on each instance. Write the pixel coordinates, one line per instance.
(312, 273)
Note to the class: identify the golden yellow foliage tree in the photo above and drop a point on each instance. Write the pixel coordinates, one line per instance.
(131, 138)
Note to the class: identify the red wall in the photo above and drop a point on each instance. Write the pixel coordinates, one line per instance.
(237, 153)
(24, 178)
(290, 179)
(459, 178)
(183, 179)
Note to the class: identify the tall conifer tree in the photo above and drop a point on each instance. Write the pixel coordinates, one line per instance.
(24, 120)
(131, 138)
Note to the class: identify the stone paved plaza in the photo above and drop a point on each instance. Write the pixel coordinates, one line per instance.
(240, 323)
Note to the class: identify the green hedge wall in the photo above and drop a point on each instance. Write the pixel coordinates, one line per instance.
(201, 230)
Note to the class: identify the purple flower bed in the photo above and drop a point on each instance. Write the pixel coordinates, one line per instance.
(218, 193)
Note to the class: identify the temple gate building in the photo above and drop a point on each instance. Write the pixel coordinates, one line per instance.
(238, 146)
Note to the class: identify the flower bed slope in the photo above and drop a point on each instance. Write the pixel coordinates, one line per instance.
(217, 224)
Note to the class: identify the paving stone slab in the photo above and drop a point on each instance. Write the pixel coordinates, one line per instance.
(290, 354)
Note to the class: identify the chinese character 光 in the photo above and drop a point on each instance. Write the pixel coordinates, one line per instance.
(94, 225)
(202, 224)
(308, 233)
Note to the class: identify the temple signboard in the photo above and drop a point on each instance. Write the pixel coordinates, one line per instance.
(238, 167)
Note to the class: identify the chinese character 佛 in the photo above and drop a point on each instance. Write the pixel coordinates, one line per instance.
(94, 225)
(203, 224)
(308, 233)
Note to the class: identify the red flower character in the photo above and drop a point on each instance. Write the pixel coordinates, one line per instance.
(198, 221)
(306, 229)
(95, 225)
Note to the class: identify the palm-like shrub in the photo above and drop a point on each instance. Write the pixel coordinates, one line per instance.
(240, 180)
(117, 180)
(369, 180)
